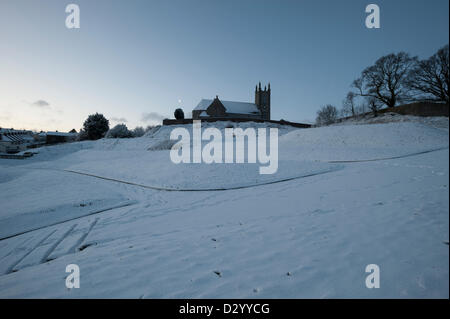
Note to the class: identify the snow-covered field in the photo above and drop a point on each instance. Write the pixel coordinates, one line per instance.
(139, 226)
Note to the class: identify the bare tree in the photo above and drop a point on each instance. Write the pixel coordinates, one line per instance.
(386, 79)
(374, 105)
(348, 105)
(361, 109)
(327, 115)
(430, 77)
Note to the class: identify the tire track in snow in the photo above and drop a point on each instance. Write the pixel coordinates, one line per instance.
(16, 246)
(79, 242)
(44, 258)
(130, 203)
(11, 268)
(53, 247)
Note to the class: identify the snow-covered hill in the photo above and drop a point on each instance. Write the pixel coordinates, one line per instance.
(344, 196)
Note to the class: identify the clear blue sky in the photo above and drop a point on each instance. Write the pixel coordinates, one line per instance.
(136, 60)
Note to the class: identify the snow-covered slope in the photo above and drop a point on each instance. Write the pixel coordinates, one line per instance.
(345, 196)
(364, 142)
(388, 117)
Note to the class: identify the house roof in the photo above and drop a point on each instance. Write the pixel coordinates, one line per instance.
(43, 134)
(11, 135)
(59, 134)
(230, 106)
(10, 138)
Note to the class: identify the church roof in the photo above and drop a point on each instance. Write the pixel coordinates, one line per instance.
(230, 106)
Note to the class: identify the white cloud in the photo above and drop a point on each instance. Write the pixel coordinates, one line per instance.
(118, 119)
(152, 116)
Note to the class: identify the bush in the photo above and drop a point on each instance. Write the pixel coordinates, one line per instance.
(95, 126)
(82, 136)
(179, 114)
(138, 131)
(119, 131)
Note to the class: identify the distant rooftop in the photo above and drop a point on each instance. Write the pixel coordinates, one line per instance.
(230, 106)
(57, 134)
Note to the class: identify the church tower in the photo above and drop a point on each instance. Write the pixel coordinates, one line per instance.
(262, 101)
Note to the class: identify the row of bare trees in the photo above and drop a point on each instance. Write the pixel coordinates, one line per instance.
(392, 80)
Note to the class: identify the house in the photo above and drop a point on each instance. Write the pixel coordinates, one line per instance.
(58, 137)
(211, 109)
(15, 141)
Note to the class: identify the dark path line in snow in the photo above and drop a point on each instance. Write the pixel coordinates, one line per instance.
(68, 220)
(238, 187)
(388, 158)
(250, 186)
(198, 189)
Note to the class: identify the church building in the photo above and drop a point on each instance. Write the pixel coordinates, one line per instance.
(217, 108)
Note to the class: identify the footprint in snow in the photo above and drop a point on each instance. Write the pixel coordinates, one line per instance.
(320, 211)
(378, 204)
(83, 247)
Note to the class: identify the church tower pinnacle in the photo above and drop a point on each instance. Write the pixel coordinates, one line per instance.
(262, 100)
